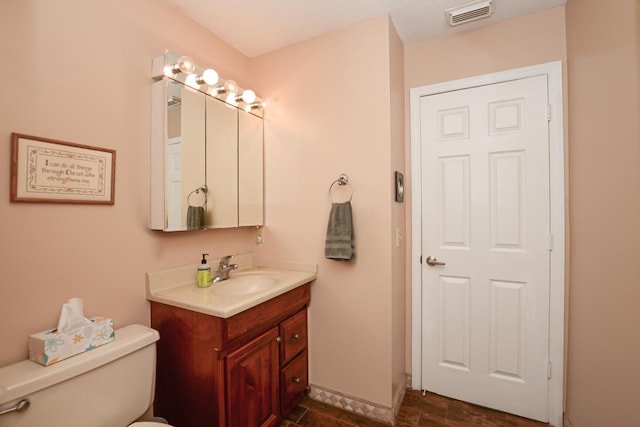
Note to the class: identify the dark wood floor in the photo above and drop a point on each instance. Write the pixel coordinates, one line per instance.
(417, 410)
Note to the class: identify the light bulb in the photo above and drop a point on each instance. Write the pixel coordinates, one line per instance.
(230, 86)
(247, 96)
(192, 81)
(184, 65)
(209, 77)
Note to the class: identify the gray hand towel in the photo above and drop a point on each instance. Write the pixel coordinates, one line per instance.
(339, 244)
(195, 218)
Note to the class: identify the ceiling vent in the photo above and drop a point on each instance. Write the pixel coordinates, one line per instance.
(469, 12)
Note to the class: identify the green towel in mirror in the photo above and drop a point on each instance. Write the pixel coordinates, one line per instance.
(195, 218)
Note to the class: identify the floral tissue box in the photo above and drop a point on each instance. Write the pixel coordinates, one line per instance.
(49, 347)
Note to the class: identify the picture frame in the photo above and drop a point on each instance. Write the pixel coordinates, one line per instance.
(399, 187)
(46, 170)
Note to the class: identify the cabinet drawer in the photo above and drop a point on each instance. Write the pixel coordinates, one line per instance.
(294, 380)
(293, 332)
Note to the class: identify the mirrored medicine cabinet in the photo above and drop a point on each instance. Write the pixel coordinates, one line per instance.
(207, 160)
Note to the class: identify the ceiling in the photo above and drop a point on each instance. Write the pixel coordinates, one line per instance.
(256, 27)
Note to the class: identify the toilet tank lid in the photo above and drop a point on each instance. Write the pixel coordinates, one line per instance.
(26, 377)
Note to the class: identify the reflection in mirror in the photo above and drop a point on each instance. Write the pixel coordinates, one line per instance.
(222, 164)
(174, 157)
(185, 158)
(250, 176)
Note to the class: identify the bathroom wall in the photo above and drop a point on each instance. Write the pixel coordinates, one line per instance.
(398, 214)
(78, 71)
(519, 42)
(603, 46)
(600, 50)
(335, 106)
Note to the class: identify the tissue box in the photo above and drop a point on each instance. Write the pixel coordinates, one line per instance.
(49, 347)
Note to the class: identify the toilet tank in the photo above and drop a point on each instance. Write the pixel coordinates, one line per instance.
(109, 386)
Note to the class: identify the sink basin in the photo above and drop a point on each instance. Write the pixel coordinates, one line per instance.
(248, 282)
(246, 287)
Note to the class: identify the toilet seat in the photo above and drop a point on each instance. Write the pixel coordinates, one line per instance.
(148, 424)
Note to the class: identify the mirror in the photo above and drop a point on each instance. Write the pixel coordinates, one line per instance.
(184, 157)
(207, 161)
(222, 164)
(250, 170)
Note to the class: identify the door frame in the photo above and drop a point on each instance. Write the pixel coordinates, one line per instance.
(553, 71)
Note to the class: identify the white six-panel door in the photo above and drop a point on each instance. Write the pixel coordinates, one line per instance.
(485, 215)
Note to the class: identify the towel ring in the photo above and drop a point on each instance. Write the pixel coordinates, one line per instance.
(342, 180)
(204, 190)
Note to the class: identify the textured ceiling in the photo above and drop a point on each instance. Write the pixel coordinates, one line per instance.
(255, 27)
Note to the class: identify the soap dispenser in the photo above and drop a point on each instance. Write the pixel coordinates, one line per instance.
(204, 273)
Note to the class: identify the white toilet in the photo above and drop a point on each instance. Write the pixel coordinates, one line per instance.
(109, 386)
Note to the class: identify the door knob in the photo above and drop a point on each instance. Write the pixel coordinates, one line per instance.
(23, 405)
(434, 261)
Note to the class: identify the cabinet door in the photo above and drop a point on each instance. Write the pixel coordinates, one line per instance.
(222, 164)
(253, 383)
(250, 170)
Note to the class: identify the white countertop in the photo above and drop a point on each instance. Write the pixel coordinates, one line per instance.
(178, 286)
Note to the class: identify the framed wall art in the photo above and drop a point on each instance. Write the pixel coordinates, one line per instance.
(49, 171)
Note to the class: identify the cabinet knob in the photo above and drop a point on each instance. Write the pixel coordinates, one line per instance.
(295, 336)
(296, 380)
(278, 340)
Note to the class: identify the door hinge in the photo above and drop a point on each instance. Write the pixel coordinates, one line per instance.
(550, 242)
(549, 370)
(420, 259)
(548, 112)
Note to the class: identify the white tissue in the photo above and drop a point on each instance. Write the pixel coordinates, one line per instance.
(72, 316)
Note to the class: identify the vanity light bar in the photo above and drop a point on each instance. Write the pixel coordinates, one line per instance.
(184, 70)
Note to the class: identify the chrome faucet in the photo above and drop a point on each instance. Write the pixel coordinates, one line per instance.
(224, 268)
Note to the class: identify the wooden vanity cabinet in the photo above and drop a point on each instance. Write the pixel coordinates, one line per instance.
(247, 370)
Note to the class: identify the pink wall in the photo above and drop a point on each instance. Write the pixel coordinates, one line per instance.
(519, 42)
(330, 113)
(78, 71)
(516, 43)
(398, 214)
(81, 72)
(600, 50)
(604, 99)
(84, 77)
